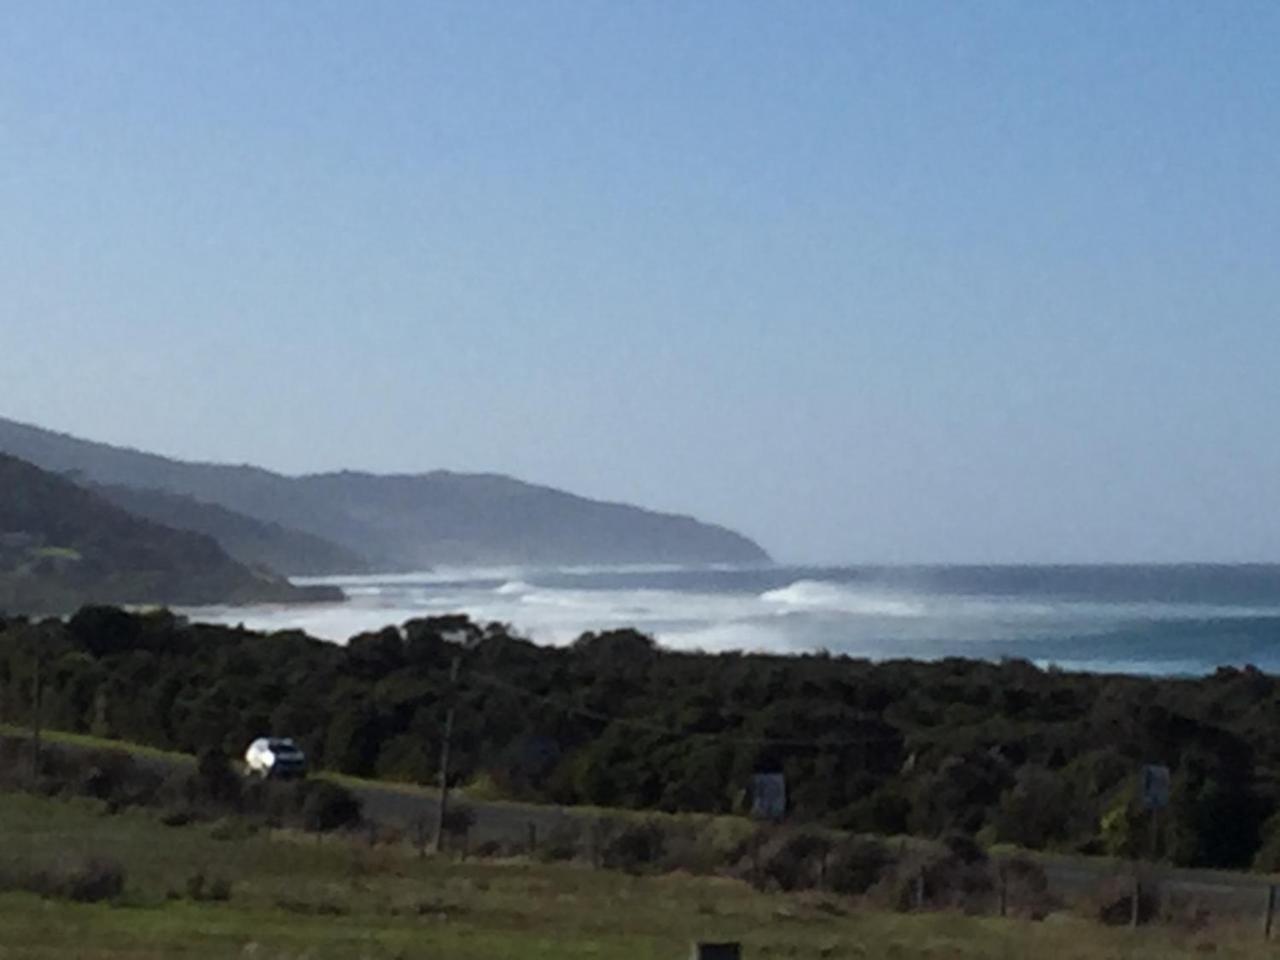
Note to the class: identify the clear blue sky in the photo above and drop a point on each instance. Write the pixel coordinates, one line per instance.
(868, 281)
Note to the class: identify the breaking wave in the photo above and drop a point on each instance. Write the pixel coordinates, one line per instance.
(840, 598)
(1149, 621)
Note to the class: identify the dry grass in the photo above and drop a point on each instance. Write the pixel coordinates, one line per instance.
(292, 896)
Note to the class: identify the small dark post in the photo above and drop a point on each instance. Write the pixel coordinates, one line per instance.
(1004, 889)
(531, 836)
(1271, 911)
(373, 834)
(920, 889)
(443, 809)
(37, 695)
(597, 843)
(421, 837)
(716, 951)
(1134, 901)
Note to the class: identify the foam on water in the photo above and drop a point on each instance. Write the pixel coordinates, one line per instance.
(841, 598)
(1171, 621)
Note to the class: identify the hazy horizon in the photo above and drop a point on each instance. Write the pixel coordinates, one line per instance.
(868, 284)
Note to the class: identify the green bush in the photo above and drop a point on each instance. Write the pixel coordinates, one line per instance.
(635, 848)
(458, 820)
(329, 806)
(88, 880)
(856, 865)
(208, 889)
(794, 860)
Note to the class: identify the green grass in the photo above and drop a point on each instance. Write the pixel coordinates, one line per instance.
(293, 897)
(87, 742)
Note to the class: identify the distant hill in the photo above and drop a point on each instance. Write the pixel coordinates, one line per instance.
(62, 546)
(255, 543)
(404, 522)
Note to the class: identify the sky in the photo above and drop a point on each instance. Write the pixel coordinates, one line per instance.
(868, 281)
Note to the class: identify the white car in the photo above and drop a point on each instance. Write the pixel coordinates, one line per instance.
(275, 757)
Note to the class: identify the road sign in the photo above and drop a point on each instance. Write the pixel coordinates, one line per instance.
(768, 796)
(1154, 787)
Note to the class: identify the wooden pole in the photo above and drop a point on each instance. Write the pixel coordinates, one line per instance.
(1134, 900)
(755, 858)
(716, 951)
(37, 695)
(443, 809)
(1271, 911)
(1004, 889)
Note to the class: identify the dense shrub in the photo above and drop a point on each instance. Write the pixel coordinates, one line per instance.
(86, 880)
(792, 859)
(635, 847)
(564, 842)
(458, 820)
(857, 864)
(1112, 900)
(216, 783)
(1026, 888)
(201, 888)
(938, 879)
(329, 806)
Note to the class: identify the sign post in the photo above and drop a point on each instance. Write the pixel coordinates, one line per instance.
(769, 797)
(1155, 787)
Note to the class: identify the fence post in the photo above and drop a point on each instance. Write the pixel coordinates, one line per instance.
(716, 951)
(1134, 900)
(1271, 911)
(532, 837)
(422, 837)
(597, 841)
(920, 889)
(1004, 889)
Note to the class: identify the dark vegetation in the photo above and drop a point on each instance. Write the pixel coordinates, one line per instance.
(212, 790)
(401, 522)
(1003, 752)
(62, 546)
(83, 879)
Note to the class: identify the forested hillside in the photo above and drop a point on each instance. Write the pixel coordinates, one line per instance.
(1001, 750)
(409, 521)
(62, 546)
(255, 543)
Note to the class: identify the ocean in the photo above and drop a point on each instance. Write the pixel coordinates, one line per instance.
(1162, 620)
(1153, 620)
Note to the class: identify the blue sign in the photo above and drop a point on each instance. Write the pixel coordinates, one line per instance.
(768, 796)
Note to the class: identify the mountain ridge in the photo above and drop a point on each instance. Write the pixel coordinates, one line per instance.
(62, 546)
(405, 521)
(255, 543)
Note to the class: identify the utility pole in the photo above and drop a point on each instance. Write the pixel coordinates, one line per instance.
(37, 691)
(443, 808)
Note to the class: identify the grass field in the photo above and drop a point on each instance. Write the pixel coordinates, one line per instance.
(292, 896)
